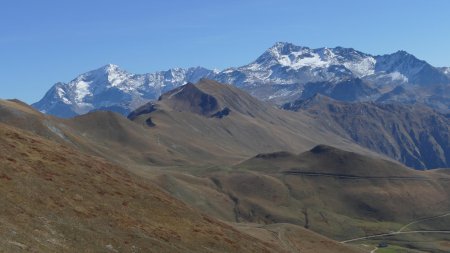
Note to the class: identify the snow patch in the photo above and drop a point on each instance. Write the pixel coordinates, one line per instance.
(364, 67)
(62, 95)
(81, 90)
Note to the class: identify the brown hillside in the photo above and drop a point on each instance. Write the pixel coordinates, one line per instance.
(55, 199)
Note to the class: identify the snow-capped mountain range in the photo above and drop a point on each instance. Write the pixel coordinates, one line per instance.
(283, 73)
(111, 88)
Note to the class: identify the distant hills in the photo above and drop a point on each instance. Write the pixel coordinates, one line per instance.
(283, 73)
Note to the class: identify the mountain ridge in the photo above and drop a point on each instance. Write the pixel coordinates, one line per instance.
(280, 74)
(111, 88)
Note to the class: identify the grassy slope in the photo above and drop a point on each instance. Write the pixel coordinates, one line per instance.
(382, 196)
(56, 199)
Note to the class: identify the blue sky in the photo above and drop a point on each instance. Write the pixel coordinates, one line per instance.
(43, 42)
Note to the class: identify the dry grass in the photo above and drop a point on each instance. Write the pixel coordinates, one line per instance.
(56, 199)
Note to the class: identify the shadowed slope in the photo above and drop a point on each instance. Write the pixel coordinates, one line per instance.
(414, 135)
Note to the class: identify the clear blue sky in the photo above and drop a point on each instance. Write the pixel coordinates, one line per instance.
(43, 42)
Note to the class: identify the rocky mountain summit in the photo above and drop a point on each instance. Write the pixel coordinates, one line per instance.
(283, 73)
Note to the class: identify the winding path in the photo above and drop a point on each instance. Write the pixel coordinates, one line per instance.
(397, 233)
(401, 230)
(423, 219)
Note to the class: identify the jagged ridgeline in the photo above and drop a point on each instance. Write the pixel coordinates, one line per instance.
(283, 73)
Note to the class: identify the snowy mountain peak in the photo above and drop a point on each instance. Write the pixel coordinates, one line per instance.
(112, 88)
(279, 53)
(295, 57)
(284, 71)
(110, 67)
(285, 48)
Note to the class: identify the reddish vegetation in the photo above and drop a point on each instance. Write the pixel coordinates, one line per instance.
(69, 198)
